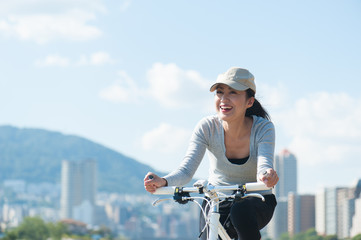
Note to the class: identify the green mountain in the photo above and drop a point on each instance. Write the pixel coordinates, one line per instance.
(35, 155)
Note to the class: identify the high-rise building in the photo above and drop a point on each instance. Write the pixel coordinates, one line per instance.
(301, 213)
(356, 220)
(331, 211)
(321, 211)
(345, 211)
(78, 190)
(356, 207)
(348, 211)
(278, 224)
(286, 166)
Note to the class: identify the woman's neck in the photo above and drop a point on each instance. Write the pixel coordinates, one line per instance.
(238, 128)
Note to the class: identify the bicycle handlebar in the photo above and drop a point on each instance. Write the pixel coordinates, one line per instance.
(249, 187)
(256, 186)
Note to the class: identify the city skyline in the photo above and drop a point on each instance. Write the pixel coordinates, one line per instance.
(337, 209)
(332, 211)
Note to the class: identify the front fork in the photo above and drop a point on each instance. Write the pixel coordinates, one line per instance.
(215, 226)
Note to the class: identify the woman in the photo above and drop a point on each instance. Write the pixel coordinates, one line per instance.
(240, 140)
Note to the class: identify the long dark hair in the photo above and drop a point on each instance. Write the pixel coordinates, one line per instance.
(257, 108)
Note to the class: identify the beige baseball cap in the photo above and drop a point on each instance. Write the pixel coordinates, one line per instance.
(237, 78)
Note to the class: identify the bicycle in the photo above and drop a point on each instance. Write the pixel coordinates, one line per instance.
(213, 195)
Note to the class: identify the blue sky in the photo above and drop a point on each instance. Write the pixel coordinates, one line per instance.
(134, 75)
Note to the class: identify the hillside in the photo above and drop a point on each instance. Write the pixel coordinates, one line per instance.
(35, 155)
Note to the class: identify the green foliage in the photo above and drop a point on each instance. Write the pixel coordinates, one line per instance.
(331, 237)
(310, 234)
(314, 238)
(56, 230)
(34, 228)
(10, 236)
(357, 237)
(30, 229)
(285, 236)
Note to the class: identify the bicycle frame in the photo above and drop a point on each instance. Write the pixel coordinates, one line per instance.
(215, 226)
(215, 194)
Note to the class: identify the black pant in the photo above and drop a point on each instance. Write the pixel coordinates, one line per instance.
(243, 219)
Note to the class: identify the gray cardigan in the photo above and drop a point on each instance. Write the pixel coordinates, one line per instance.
(209, 134)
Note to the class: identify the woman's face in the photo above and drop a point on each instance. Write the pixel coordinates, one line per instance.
(231, 103)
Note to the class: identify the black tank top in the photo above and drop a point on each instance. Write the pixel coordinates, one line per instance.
(238, 161)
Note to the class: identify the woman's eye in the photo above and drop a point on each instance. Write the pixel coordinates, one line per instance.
(219, 92)
(233, 92)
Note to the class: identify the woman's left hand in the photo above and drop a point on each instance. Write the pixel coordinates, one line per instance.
(269, 177)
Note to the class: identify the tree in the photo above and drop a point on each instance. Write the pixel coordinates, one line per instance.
(315, 238)
(357, 237)
(285, 236)
(311, 233)
(32, 228)
(331, 237)
(10, 236)
(56, 230)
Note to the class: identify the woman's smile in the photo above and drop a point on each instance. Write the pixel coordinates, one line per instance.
(225, 108)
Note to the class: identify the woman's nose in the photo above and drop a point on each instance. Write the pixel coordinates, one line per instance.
(224, 97)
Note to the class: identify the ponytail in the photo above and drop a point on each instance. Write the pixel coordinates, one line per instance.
(256, 108)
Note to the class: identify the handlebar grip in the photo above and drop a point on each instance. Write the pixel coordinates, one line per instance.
(256, 186)
(164, 191)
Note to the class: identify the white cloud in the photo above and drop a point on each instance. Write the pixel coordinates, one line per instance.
(168, 84)
(71, 25)
(272, 97)
(123, 90)
(324, 128)
(54, 6)
(114, 93)
(174, 87)
(165, 138)
(96, 59)
(100, 58)
(53, 60)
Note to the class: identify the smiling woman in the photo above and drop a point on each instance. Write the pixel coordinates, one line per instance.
(240, 140)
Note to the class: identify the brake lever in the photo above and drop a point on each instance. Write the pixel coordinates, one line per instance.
(161, 200)
(257, 195)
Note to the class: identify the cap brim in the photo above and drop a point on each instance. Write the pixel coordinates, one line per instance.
(234, 85)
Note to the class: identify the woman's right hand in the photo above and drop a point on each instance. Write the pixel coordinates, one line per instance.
(154, 182)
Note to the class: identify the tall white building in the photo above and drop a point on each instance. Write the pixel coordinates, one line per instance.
(356, 220)
(327, 211)
(78, 190)
(331, 211)
(286, 166)
(320, 203)
(345, 211)
(348, 212)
